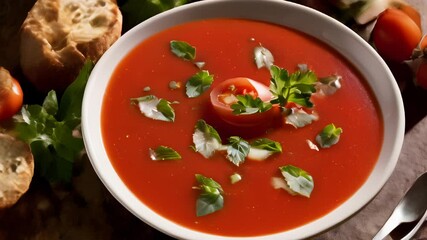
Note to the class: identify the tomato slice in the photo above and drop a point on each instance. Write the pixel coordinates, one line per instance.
(224, 95)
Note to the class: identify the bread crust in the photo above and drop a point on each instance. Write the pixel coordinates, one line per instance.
(16, 169)
(58, 36)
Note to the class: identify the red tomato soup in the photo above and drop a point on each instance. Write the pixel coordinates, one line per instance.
(252, 206)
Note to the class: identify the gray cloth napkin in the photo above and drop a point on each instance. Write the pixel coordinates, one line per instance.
(412, 163)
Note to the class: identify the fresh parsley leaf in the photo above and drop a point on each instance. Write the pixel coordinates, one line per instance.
(183, 50)
(299, 118)
(296, 87)
(49, 130)
(330, 135)
(210, 199)
(238, 150)
(267, 144)
(198, 83)
(164, 153)
(206, 139)
(246, 104)
(155, 108)
(299, 181)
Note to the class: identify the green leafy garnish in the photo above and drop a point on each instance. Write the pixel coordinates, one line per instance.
(210, 199)
(298, 181)
(296, 87)
(198, 83)
(330, 135)
(267, 144)
(183, 50)
(238, 150)
(155, 108)
(206, 139)
(246, 104)
(49, 130)
(164, 153)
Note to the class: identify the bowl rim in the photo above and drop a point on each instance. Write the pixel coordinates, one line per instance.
(393, 115)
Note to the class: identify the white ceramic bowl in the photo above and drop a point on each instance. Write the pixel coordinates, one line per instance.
(316, 24)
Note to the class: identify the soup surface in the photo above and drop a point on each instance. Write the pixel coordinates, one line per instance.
(252, 206)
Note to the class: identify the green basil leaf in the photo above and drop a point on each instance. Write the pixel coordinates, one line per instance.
(206, 139)
(330, 135)
(155, 108)
(164, 153)
(183, 50)
(238, 150)
(267, 144)
(198, 83)
(299, 181)
(246, 104)
(210, 199)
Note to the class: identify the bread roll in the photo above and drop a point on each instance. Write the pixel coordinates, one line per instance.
(58, 36)
(16, 169)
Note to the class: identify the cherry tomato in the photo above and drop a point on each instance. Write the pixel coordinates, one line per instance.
(11, 96)
(421, 74)
(410, 11)
(224, 95)
(395, 35)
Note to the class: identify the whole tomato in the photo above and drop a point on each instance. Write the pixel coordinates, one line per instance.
(11, 96)
(395, 35)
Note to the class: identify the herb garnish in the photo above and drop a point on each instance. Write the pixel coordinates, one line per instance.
(49, 129)
(210, 199)
(267, 144)
(206, 139)
(155, 108)
(298, 181)
(164, 153)
(330, 135)
(296, 87)
(198, 83)
(183, 50)
(246, 104)
(238, 150)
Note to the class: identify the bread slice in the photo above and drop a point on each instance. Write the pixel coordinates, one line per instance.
(58, 36)
(16, 169)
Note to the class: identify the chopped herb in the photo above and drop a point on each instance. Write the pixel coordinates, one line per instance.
(330, 135)
(235, 178)
(199, 65)
(246, 104)
(198, 84)
(238, 150)
(296, 87)
(299, 181)
(155, 108)
(267, 144)
(164, 153)
(174, 85)
(206, 139)
(210, 199)
(183, 50)
(263, 57)
(329, 85)
(299, 118)
(311, 145)
(147, 89)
